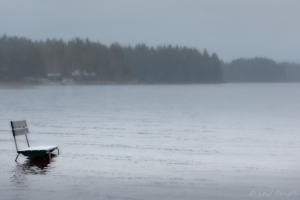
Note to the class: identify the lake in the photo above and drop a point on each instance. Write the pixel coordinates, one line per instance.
(214, 141)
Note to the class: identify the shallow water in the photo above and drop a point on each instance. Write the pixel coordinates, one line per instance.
(219, 141)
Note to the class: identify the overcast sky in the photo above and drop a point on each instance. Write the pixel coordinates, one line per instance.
(230, 28)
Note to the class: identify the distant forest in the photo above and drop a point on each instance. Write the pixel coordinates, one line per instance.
(254, 70)
(260, 70)
(23, 59)
(167, 64)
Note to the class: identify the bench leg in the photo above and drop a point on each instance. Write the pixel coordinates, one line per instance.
(49, 156)
(58, 151)
(17, 157)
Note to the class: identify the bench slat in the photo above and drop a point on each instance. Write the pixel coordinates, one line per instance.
(18, 124)
(20, 131)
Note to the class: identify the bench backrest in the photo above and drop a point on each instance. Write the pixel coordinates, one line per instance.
(19, 127)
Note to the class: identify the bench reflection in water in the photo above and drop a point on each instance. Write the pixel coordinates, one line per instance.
(32, 166)
(35, 165)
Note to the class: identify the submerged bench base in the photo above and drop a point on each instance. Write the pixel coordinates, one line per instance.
(36, 153)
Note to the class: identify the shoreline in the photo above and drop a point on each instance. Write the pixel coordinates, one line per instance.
(30, 84)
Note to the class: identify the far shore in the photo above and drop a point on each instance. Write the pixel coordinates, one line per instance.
(32, 84)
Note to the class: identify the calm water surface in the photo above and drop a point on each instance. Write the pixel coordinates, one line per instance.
(223, 141)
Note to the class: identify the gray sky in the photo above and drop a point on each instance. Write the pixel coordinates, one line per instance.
(230, 28)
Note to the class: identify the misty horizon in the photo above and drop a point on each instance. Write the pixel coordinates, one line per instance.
(231, 29)
(87, 62)
(209, 51)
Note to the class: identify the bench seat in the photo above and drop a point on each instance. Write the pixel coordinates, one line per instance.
(37, 151)
(38, 148)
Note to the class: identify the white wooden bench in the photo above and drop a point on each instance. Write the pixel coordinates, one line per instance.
(20, 128)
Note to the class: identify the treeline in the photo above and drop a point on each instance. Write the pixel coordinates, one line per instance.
(254, 70)
(19, 58)
(167, 64)
(22, 58)
(292, 71)
(260, 70)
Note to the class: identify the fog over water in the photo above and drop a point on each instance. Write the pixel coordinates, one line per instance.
(215, 141)
(230, 28)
